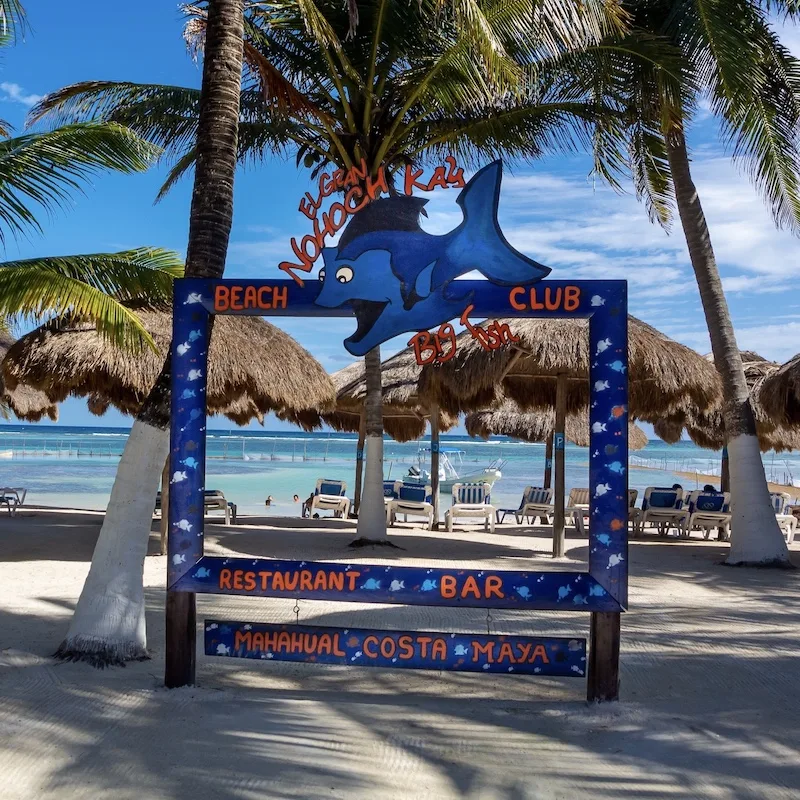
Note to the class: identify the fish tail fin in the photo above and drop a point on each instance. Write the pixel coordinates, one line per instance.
(480, 241)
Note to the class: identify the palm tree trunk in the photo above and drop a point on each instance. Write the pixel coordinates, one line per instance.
(434, 411)
(108, 624)
(371, 514)
(755, 536)
(559, 536)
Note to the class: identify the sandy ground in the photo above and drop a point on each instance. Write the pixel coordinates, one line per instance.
(710, 686)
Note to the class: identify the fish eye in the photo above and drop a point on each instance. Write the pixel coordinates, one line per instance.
(344, 274)
(322, 274)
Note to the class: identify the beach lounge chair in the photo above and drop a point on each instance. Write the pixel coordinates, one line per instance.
(662, 507)
(389, 494)
(633, 513)
(471, 500)
(12, 498)
(578, 508)
(706, 511)
(412, 500)
(787, 522)
(329, 495)
(536, 502)
(213, 500)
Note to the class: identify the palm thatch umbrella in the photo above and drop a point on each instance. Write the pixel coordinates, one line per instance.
(549, 367)
(780, 393)
(253, 368)
(538, 427)
(27, 404)
(404, 413)
(706, 429)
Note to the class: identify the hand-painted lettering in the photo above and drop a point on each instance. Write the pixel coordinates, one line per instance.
(543, 297)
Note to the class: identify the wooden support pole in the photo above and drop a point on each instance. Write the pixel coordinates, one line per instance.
(434, 411)
(548, 463)
(559, 543)
(181, 646)
(164, 507)
(362, 433)
(725, 471)
(603, 674)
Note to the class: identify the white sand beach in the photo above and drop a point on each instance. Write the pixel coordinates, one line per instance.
(710, 675)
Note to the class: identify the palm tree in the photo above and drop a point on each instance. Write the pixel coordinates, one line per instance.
(108, 625)
(726, 52)
(411, 83)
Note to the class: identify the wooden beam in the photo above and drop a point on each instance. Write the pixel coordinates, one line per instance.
(434, 411)
(603, 673)
(359, 463)
(548, 462)
(559, 543)
(180, 651)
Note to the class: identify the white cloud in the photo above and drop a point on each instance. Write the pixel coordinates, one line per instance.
(14, 93)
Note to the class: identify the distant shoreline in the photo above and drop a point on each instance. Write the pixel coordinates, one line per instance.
(773, 487)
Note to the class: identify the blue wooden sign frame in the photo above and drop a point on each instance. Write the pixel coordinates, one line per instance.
(603, 588)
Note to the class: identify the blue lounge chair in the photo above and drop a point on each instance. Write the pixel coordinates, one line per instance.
(471, 500)
(662, 507)
(330, 495)
(706, 511)
(536, 502)
(412, 500)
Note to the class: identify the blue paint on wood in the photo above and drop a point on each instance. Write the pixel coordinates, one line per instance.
(382, 583)
(558, 441)
(461, 652)
(603, 302)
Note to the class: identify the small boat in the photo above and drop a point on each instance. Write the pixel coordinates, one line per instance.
(450, 472)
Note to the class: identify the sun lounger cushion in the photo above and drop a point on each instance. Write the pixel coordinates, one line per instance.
(335, 488)
(414, 494)
(661, 499)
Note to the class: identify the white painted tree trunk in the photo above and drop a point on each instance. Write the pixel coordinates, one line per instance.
(371, 513)
(755, 535)
(108, 626)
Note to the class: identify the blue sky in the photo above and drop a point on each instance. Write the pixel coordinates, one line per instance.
(549, 210)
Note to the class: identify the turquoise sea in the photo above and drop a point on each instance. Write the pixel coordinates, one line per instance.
(75, 466)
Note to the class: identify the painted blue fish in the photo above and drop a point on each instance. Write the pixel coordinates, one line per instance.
(603, 538)
(398, 278)
(563, 591)
(191, 462)
(460, 650)
(617, 366)
(194, 335)
(580, 600)
(203, 572)
(187, 393)
(371, 583)
(597, 590)
(523, 591)
(428, 585)
(616, 466)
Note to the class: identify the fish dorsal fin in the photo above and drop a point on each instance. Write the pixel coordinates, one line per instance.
(423, 283)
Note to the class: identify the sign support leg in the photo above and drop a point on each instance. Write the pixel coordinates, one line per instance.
(603, 678)
(180, 651)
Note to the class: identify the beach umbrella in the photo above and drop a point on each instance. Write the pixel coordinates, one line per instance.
(27, 403)
(253, 368)
(548, 367)
(706, 428)
(538, 427)
(404, 413)
(780, 393)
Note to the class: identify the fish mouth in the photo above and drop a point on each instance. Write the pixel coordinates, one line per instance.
(366, 313)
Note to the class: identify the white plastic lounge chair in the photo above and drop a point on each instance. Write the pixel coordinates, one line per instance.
(787, 522)
(706, 511)
(471, 500)
(389, 494)
(329, 495)
(662, 507)
(213, 500)
(578, 508)
(12, 498)
(633, 513)
(536, 502)
(412, 500)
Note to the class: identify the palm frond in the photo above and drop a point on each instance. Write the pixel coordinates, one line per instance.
(42, 169)
(13, 20)
(92, 287)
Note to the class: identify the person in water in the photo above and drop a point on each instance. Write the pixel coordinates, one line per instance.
(269, 501)
(296, 498)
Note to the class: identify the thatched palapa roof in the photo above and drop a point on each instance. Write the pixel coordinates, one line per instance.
(663, 375)
(254, 367)
(537, 426)
(404, 413)
(27, 404)
(706, 429)
(780, 393)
